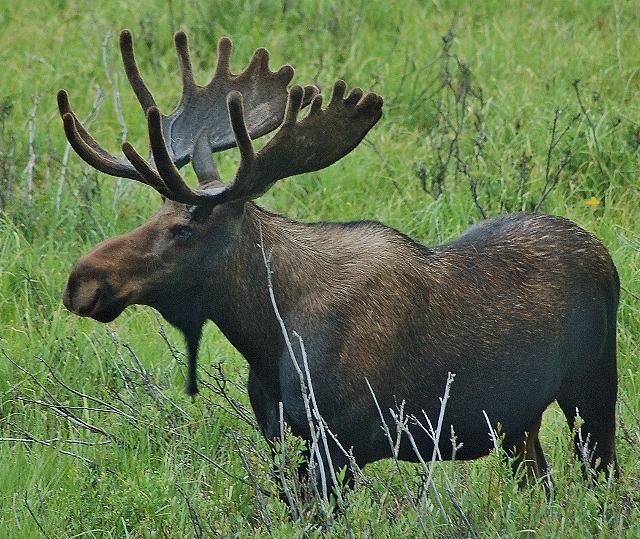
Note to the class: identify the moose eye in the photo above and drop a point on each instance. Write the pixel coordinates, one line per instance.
(182, 234)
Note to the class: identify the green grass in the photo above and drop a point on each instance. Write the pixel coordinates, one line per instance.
(97, 437)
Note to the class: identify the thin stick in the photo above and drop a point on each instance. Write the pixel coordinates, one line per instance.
(320, 421)
(291, 498)
(314, 428)
(551, 181)
(107, 407)
(256, 487)
(592, 127)
(33, 516)
(52, 441)
(195, 519)
(29, 439)
(57, 407)
(28, 171)
(394, 450)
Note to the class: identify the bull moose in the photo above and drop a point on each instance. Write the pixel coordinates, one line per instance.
(521, 308)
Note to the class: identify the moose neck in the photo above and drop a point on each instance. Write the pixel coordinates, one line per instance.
(315, 268)
(239, 301)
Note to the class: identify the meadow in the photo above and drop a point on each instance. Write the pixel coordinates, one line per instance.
(490, 107)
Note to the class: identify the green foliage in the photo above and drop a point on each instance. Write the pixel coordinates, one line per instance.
(489, 107)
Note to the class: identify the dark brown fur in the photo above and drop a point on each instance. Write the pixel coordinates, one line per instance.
(521, 308)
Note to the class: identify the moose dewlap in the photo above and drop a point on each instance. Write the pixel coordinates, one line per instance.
(521, 308)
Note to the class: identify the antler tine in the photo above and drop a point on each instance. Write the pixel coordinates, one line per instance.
(235, 104)
(184, 60)
(166, 179)
(133, 74)
(86, 146)
(203, 163)
(149, 175)
(260, 63)
(167, 170)
(223, 70)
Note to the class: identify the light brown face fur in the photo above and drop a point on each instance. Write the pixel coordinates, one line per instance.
(171, 253)
(128, 269)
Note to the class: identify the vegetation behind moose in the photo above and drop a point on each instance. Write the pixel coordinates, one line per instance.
(521, 308)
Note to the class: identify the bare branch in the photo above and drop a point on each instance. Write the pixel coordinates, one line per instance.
(264, 513)
(550, 181)
(395, 446)
(316, 424)
(33, 516)
(28, 171)
(195, 519)
(292, 499)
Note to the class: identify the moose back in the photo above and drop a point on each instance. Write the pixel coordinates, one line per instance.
(521, 308)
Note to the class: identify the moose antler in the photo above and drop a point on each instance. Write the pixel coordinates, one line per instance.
(201, 107)
(317, 141)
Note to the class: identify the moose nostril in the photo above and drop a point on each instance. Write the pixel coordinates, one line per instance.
(81, 298)
(66, 299)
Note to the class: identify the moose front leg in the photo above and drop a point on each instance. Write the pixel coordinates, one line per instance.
(299, 473)
(265, 407)
(267, 410)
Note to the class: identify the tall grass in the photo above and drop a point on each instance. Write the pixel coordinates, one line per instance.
(489, 107)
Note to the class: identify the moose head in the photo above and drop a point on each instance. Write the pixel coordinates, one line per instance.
(164, 260)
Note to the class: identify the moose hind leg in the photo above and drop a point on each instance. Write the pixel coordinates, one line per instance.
(527, 452)
(592, 398)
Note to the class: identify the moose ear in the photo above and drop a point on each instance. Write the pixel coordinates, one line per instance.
(203, 164)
